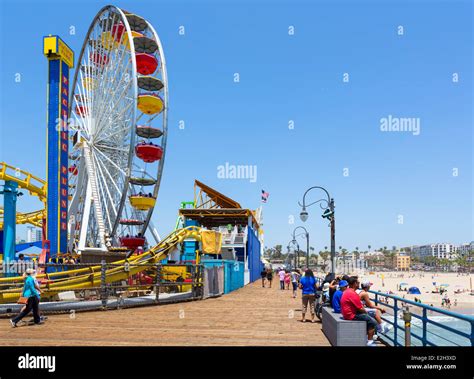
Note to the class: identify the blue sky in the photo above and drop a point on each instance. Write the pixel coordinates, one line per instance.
(287, 77)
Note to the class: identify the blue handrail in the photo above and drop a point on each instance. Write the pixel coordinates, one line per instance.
(424, 338)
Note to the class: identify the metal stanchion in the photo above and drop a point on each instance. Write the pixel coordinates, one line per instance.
(103, 284)
(193, 284)
(157, 282)
(407, 319)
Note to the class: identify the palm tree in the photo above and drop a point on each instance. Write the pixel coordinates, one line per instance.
(344, 253)
(369, 247)
(324, 255)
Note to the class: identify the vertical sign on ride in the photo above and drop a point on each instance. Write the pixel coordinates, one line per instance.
(60, 60)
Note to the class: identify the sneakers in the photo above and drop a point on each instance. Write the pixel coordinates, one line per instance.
(385, 327)
(375, 337)
(13, 324)
(371, 343)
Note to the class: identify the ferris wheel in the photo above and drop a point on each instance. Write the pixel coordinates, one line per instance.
(118, 112)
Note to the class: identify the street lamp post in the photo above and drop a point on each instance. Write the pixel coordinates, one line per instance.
(307, 242)
(329, 214)
(294, 242)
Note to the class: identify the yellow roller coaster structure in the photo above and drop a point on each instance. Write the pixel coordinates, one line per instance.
(31, 183)
(53, 283)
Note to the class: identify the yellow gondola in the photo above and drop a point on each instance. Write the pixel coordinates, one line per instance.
(108, 41)
(142, 203)
(125, 38)
(150, 104)
(89, 83)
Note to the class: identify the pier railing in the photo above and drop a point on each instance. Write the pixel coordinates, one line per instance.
(426, 328)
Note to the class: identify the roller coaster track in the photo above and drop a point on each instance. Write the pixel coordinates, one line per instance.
(53, 283)
(29, 182)
(34, 218)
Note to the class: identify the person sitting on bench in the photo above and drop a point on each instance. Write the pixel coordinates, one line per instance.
(352, 309)
(336, 299)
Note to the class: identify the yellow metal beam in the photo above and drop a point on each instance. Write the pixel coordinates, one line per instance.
(24, 179)
(33, 218)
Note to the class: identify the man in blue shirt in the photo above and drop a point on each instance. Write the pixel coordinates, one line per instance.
(336, 299)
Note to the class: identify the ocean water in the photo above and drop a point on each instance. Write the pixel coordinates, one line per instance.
(435, 334)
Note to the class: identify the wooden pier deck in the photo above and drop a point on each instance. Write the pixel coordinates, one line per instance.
(250, 316)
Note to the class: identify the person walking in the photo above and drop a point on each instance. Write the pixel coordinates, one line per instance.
(295, 277)
(287, 279)
(270, 277)
(263, 274)
(31, 291)
(308, 286)
(281, 274)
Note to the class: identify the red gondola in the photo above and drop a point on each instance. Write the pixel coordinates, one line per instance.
(148, 153)
(132, 242)
(99, 59)
(81, 110)
(117, 31)
(146, 131)
(73, 170)
(146, 63)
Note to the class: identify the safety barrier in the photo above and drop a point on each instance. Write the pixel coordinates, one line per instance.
(425, 328)
(155, 283)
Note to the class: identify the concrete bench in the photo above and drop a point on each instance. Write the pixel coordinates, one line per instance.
(342, 332)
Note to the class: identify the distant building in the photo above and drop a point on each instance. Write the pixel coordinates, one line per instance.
(33, 234)
(402, 262)
(437, 250)
(465, 249)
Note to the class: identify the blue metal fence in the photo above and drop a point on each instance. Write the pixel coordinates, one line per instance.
(233, 272)
(426, 328)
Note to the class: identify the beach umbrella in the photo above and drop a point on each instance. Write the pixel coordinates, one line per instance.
(444, 285)
(403, 284)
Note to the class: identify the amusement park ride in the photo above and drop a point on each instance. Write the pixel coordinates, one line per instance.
(106, 145)
(106, 142)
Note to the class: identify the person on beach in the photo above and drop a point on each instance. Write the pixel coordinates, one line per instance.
(373, 310)
(270, 277)
(32, 291)
(287, 279)
(281, 274)
(295, 277)
(352, 309)
(308, 287)
(336, 299)
(263, 274)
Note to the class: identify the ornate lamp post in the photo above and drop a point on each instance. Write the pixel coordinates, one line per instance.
(295, 243)
(307, 242)
(328, 214)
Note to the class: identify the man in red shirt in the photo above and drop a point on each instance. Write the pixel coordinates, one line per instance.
(352, 309)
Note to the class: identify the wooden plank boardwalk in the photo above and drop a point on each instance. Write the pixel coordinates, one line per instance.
(250, 316)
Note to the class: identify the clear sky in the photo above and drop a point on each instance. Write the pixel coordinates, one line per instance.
(283, 77)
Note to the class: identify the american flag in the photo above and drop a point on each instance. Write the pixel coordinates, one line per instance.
(265, 196)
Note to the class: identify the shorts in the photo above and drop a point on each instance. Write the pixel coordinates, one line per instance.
(295, 286)
(371, 312)
(308, 299)
(371, 323)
